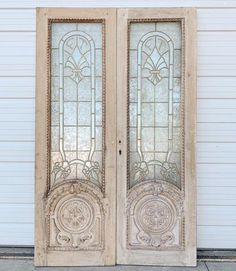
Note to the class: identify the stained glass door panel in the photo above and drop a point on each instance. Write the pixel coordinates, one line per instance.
(76, 197)
(154, 204)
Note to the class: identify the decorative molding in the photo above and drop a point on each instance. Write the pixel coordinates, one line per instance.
(155, 216)
(75, 217)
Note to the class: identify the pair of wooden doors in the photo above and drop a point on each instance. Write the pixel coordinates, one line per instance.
(115, 137)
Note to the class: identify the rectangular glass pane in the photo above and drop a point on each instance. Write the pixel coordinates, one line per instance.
(154, 102)
(76, 102)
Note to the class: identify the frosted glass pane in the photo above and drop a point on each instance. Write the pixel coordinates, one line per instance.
(76, 102)
(155, 133)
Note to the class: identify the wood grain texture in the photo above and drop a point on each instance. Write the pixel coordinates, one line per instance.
(127, 255)
(80, 257)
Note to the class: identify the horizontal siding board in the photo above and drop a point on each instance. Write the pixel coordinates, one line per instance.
(216, 132)
(17, 194)
(18, 87)
(17, 151)
(17, 65)
(133, 3)
(216, 110)
(16, 213)
(15, 131)
(216, 87)
(213, 175)
(24, 20)
(216, 19)
(15, 173)
(23, 4)
(216, 44)
(17, 44)
(18, 234)
(216, 215)
(17, 20)
(216, 65)
(215, 196)
(216, 152)
(219, 237)
(17, 110)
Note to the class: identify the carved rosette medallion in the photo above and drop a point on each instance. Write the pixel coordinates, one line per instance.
(155, 216)
(75, 217)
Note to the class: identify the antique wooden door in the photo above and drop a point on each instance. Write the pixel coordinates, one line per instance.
(75, 137)
(115, 141)
(156, 81)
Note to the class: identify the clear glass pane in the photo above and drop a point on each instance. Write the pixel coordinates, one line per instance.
(155, 135)
(76, 103)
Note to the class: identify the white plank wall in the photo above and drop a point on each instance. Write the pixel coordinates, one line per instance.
(216, 140)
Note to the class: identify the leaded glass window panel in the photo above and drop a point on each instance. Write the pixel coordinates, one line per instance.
(154, 102)
(77, 102)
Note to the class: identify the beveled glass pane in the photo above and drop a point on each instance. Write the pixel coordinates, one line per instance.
(155, 134)
(76, 102)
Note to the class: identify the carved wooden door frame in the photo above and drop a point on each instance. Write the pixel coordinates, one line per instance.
(97, 203)
(136, 242)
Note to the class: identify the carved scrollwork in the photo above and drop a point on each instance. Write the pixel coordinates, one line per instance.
(155, 216)
(75, 216)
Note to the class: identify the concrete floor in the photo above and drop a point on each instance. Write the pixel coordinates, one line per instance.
(27, 265)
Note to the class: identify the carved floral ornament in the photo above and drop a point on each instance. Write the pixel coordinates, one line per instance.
(75, 216)
(154, 215)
